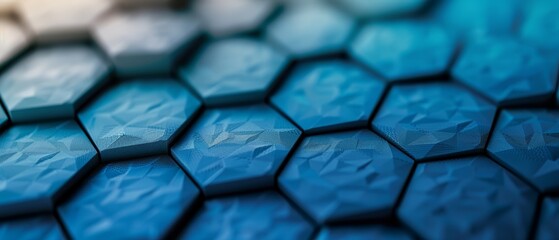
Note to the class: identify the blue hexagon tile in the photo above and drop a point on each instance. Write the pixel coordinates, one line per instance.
(403, 50)
(31, 228)
(38, 161)
(329, 94)
(467, 198)
(365, 232)
(51, 82)
(138, 117)
(381, 8)
(14, 39)
(525, 141)
(507, 71)
(143, 41)
(235, 149)
(548, 223)
(236, 70)
(435, 120)
(263, 215)
(346, 176)
(311, 30)
(137, 199)
(540, 26)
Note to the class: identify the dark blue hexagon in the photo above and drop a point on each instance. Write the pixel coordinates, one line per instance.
(366, 232)
(139, 117)
(234, 149)
(137, 199)
(329, 94)
(346, 176)
(403, 50)
(527, 142)
(467, 198)
(31, 228)
(548, 223)
(435, 120)
(39, 161)
(263, 215)
(231, 71)
(381, 8)
(507, 71)
(540, 25)
(311, 30)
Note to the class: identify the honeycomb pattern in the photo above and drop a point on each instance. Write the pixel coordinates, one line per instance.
(278, 119)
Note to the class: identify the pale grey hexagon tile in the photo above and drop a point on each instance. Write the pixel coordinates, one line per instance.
(56, 20)
(51, 82)
(14, 38)
(146, 41)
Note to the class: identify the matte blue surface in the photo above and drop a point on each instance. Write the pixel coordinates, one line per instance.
(526, 141)
(548, 224)
(138, 117)
(381, 8)
(42, 227)
(434, 120)
(51, 82)
(137, 199)
(264, 215)
(507, 71)
(234, 149)
(329, 94)
(367, 232)
(467, 198)
(234, 70)
(346, 176)
(403, 50)
(37, 162)
(311, 30)
(541, 25)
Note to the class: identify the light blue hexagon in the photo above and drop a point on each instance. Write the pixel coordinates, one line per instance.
(31, 228)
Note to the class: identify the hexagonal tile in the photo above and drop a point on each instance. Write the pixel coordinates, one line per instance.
(329, 94)
(144, 41)
(468, 198)
(263, 215)
(138, 199)
(38, 161)
(525, 141)
(229, 17)
(334, 176)
(435, 120)
(403, 50)
(364, 233)
(540, 26)
(14, 39)
(138, 117)
(234, 149)
(51, 82)
(548, 223)
(311, 30)
(61, 20)
(31, 228)
(507, 71)
(381, 8)
(234, 71)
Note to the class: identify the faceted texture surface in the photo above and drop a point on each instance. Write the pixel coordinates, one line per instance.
(145, 41)
(328, 94)
(507, 71)
(527, 142)
(61, 20)
(14, 39)
(51, 82)
(31, 228)
(138, 199)
(234, 149)
(468, 198)
(138, 117)
(311, 30)
(263, 215)
(343, 176)
(228, 17)
(234, 70)
(381, 8)
(364, 233)
(434, 120)
(404, 49)
(38, 161)
(548, 227)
